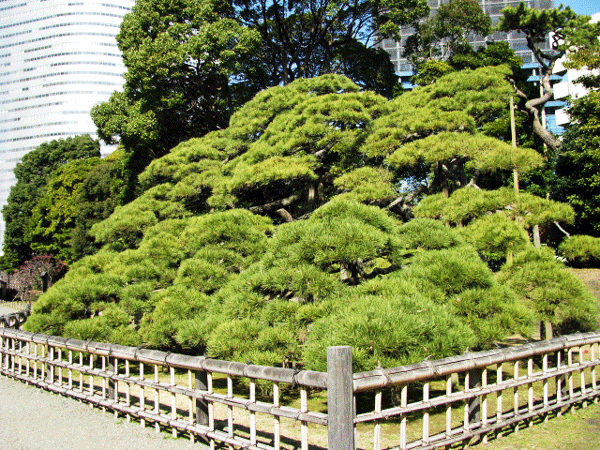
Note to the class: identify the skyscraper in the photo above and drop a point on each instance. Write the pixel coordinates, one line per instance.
(58, 58)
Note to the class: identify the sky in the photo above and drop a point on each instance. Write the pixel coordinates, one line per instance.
(587, 7)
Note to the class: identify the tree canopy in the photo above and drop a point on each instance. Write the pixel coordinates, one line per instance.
(447, 33)
(306, 39)
(191, 64)
(291, 230)
(53, 217)
(179, 58)
(579, 156)
(33, 173)
(566, 31)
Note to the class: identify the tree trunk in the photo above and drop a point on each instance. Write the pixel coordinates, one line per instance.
(537, 243)
(546, 331)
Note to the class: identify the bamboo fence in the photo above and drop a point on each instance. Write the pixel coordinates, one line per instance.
(451, 402)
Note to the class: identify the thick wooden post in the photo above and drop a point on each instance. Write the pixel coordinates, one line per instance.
(45, 281)
(340, 399)
(475, 403)
(112, 385)
(201, 404)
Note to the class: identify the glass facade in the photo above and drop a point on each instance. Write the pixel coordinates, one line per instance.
(58, 58)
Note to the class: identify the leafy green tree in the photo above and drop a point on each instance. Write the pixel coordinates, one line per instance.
(32, 173)
(566, 30)
(578, 161)
(179, 57)
(98, 196)
(53, 218)
(447, 33)
(190, 64)
(304, 40)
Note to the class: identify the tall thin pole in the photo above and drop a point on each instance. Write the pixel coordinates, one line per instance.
(513, 129)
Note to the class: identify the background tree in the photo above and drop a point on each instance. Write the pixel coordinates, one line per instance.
(52, 221)
(98, 196)
(566, 30)
(446, 34)
(190, 64)
(32, 173)
(307, 39)
(180, 57)
(578, 162)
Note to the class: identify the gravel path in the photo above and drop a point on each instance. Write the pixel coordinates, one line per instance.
(5, 310)
(34, 419)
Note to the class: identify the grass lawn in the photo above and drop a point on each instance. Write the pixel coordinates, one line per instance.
(578, 430)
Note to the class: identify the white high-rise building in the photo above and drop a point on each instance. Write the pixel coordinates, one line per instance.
(58, 58)
(568, 87)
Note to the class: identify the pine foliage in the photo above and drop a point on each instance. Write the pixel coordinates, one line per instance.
(281, 234)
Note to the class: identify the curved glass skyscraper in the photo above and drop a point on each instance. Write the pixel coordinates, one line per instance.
(58, 58)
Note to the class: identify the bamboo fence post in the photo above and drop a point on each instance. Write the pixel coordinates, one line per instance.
(173, 400)
(252, 398)
(594, 356)
(560, 382)
(516, 395)
(546, 385)
(499, 402)
(404, 419)
(13, 358)
(229, 408)
(304, 424)
(582, 375)
(426, 390)
(211, 408)
(49, 354)
(484, 403)
(448, 406)
(156, 398)
(276, 419)
(377, 428)
(127, 389)
(142, 397)
(570, 378)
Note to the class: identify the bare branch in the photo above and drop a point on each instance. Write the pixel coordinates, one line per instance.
(272, 206)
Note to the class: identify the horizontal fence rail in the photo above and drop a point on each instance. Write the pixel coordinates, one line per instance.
(14, 320)
(432, 404)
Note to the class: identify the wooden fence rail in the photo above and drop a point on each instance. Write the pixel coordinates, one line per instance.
(15, 319)
(477, 395)
(432, 404)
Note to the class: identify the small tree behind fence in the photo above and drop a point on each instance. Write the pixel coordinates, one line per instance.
(35, 276)
(432, 404)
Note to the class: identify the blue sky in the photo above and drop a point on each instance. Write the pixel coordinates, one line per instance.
(587, 7)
